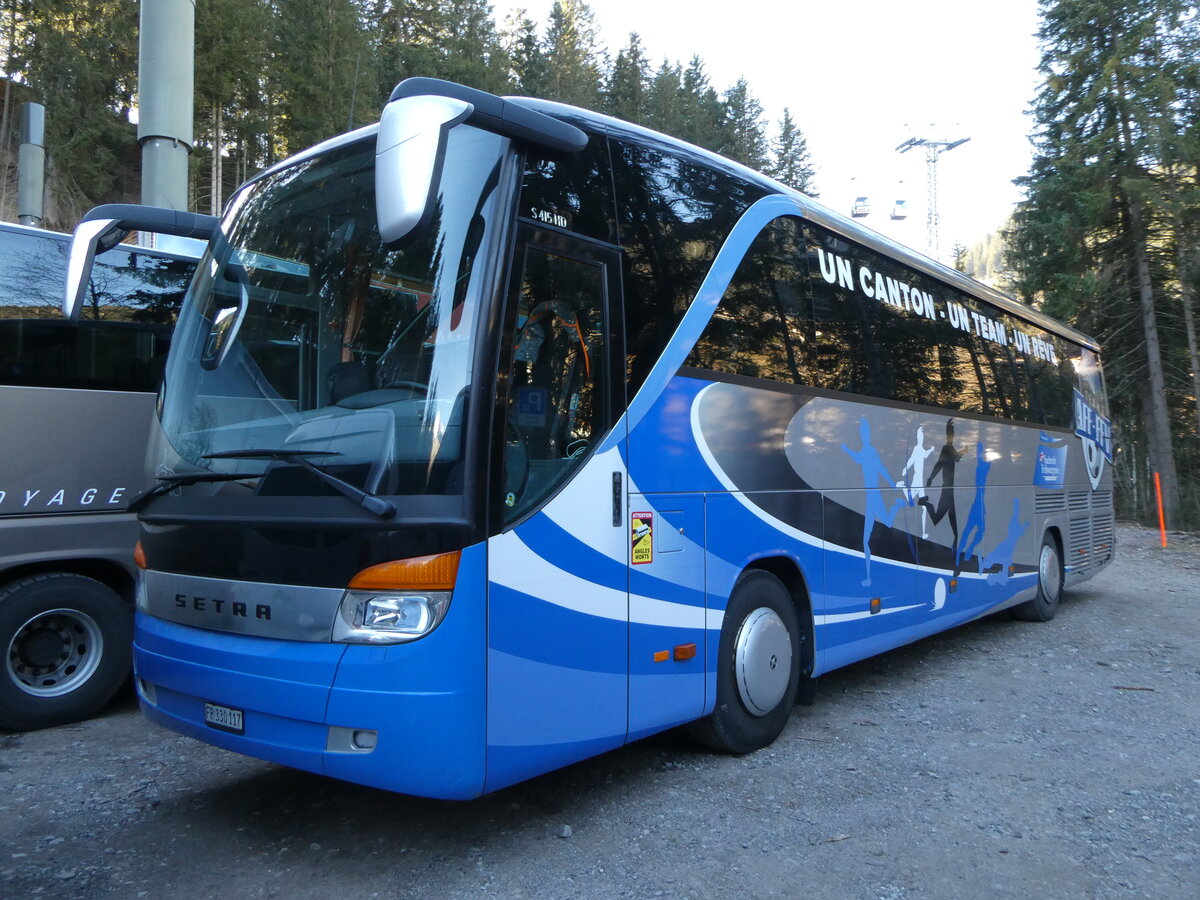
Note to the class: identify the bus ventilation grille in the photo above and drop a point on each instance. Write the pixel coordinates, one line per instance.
(1049, 503)
(1081, 543)
(1079, 500)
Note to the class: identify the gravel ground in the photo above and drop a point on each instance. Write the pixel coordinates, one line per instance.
(1003, 759)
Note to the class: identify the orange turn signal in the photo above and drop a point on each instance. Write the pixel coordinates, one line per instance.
(139, 556)
(684, 651)
(421, 573)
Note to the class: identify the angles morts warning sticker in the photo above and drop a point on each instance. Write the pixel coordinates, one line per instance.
(642, 537)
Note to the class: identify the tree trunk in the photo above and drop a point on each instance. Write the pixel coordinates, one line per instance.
(1183, 257)
(5, 122)
(1159, 444)
(212, 165)
(215, 163)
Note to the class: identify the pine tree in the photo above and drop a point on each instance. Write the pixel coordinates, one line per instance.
(471, 49)
(79, 58)
(528, 69)
(1088, 241)
(573, 55)
(404, 36)
(959, 254)
(627, 88)
(792, 164)
(320, 58)
(664, 108)
(702, 112)
(232, 121)
(746, 138)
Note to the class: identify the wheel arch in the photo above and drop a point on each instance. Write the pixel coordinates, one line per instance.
(788, 571)
(1054, 531)
(111, 574)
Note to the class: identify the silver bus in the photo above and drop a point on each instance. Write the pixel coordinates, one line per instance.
(76, 401)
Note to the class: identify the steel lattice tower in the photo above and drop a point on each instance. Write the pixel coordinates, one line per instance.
(933, 152)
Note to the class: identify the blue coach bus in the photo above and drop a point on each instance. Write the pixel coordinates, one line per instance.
(503, 433)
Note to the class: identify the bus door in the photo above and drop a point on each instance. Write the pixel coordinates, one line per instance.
(667, 650)
(558, 643)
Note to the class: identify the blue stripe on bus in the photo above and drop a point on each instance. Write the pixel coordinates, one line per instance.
(535, 629)
(551, 542)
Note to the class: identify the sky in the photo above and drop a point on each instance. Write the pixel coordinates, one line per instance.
(860, 77)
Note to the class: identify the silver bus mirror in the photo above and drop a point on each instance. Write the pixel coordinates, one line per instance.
(106, 226)
(90, 238)
(409, 154)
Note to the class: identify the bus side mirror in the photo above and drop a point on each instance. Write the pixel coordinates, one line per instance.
(106, 226)
(410, 153)
(90, 238)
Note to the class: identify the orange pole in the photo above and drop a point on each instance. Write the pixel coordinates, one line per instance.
(1162, 523)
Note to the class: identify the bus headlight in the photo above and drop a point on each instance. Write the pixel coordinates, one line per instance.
(373, 618)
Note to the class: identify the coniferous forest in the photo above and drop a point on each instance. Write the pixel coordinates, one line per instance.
(1108, 238)
(275, 76)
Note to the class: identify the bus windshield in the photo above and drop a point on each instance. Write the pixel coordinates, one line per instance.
(307, 343)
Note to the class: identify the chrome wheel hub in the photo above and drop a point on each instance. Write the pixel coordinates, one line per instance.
(54, 652)
(762, 661)
(1050, 573)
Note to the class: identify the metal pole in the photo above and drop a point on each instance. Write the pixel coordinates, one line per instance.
(31, 165)
(166, 51)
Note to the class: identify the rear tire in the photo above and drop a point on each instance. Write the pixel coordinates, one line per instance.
(1044, 606)
(66, 645)
(758, 667)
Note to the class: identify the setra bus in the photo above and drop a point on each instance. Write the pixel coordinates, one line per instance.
(503, 433)
(76, 403)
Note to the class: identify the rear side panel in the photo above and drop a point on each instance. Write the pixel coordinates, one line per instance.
(70, 468)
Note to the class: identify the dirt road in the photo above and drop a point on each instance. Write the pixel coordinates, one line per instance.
(1004, 759)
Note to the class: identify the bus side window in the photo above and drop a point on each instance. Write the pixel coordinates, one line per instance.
(557, 404)
(761, 329)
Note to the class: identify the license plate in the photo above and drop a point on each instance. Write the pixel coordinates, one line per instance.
(224, 717)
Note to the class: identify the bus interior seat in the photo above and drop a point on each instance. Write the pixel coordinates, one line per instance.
(348, 378)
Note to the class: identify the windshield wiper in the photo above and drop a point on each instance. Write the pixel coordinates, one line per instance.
(168, 483)
(370, 502)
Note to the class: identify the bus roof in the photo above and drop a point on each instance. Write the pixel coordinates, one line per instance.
(818, 213)
(810, 208)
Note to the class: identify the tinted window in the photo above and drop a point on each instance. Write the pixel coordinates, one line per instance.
(820, 310)
(762, 327)
(125, 328)
(574, 193)
(674, 214)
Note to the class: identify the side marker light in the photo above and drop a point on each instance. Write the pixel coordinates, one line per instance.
(684, 651)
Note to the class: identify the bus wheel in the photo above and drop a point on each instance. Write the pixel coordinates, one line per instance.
(1050, 582)
(758, 667)
(67, 644)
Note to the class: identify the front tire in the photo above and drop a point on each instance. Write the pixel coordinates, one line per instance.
(67, 648)
(1044, 606)
(758, 667)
